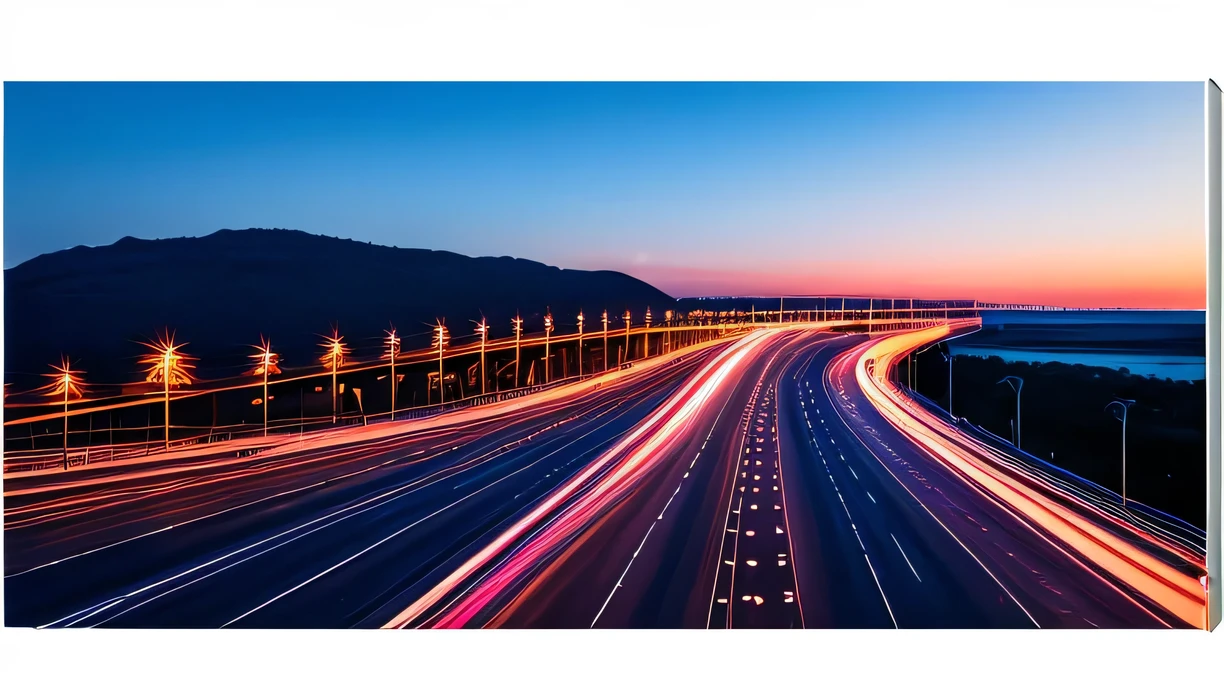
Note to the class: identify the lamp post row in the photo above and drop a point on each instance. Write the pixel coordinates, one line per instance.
(170, 367)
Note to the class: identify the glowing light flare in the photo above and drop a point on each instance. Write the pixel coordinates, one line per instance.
(167, 363)
(334, 351)
(265, 359)
(66, 383)
(391, 344)
(441, 336)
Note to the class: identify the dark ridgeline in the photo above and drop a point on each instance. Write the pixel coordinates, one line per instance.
(222, 291)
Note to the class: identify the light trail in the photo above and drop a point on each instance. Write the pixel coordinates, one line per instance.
(328, 520)
(837, 409)
(324, 459)
(628, 460)
(1076, 527)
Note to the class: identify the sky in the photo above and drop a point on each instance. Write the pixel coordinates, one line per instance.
(1057, 193)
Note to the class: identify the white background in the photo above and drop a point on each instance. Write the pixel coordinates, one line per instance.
(628, 40)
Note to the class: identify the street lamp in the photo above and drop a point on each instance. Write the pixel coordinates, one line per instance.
(948, 357)
(266, 363)
(1125, 405)
(517, 323)
(581, 320)
(482, 329)
(334, 351)
(627, 319)
(605, 337)
(548, 328)
(646, 337)
(1016, 383)
(440, 338)
(66, 382)
(392, 342)
(168, 366)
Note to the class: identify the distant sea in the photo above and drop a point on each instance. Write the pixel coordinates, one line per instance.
(1162, 344)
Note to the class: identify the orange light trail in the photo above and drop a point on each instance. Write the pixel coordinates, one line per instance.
(1037, 502)
(631, 458)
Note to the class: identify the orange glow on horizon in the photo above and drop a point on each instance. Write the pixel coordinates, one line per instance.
(1179, 283)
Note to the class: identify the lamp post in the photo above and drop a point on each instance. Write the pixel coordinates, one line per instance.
(266, 363)
(482, 329)
(548, 328)
(605, 337)
(627, 319)
(517, 323)
(1017, 384)
(168, 366)
(392, 341)
(1125, 405)
(948, 357)
(334, 351)
(646, 336)
(440, 337)
(67, 382)
(581, 320)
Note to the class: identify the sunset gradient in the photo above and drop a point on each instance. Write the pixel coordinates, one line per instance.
(1060, 193)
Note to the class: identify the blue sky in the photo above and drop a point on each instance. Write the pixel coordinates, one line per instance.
(999, 191)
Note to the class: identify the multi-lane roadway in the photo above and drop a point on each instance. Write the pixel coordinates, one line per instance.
(750, 483)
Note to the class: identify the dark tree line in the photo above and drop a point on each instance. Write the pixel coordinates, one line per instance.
(1063, 416)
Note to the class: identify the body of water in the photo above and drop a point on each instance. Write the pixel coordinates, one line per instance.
(1163, 344)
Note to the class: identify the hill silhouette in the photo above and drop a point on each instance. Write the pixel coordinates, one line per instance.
(222, 291)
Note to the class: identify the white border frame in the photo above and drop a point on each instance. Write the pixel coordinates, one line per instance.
(1212, 189)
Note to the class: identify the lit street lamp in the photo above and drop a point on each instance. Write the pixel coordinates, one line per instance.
(392, 341)
(334, 351)
(605, 335)
(66, 382)
(548, 328)
(646, 337)
(440, 338)
(168, 366)
(482, 329)
(266, 363)
(581, 320)
(1125, 405)
(1017, 384)
(627, 318)
(517, 323)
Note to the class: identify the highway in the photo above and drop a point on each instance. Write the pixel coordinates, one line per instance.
(786, 501)
(758, 482)
(323, 534)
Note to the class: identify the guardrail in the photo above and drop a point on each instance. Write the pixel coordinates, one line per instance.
(1149, 518)
(42, 459)
(33, 459)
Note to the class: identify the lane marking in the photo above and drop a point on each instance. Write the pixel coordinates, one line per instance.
(907, 561)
